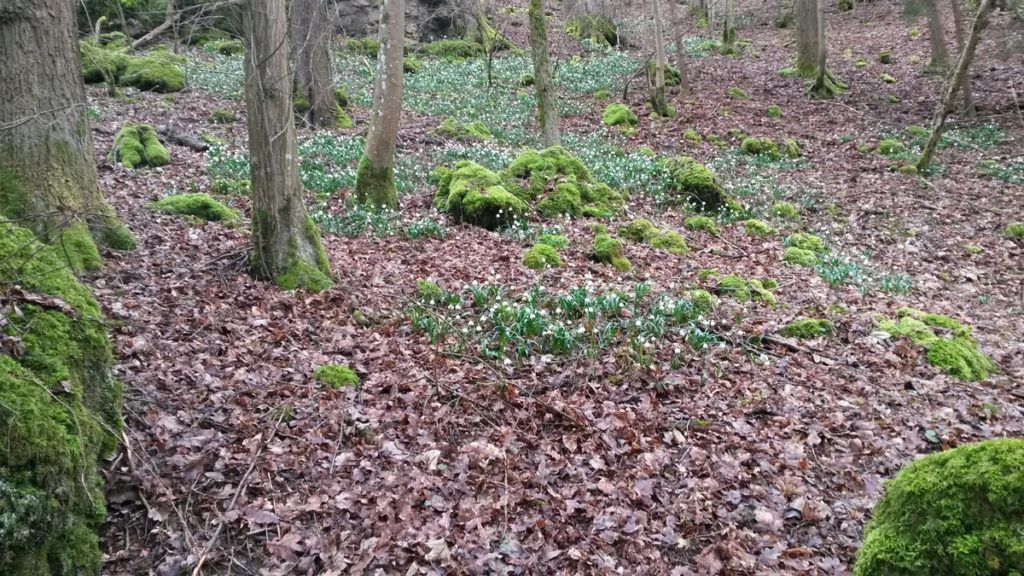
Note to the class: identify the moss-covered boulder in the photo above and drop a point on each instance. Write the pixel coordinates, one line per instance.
(336, 376)
(452, 49)
(695, 184)
(954, 512)
(452, 128)
(102, 63)
(701, 223)
(754, 227)
(618, 114)
(609, 251)
(643, 231)
(59, 415)
(542, 256)
(785, 210)
(747, 290)
(560, 185)
(639, 230)
(158, 72)
(738, 93)
(198, 205)
(805, 241)
(225, 47)
(948, 344)
(136, 145)
(475, 195)
(760, 146)
(800, 257)
(368, 46)
(223, 117)
(556, 241)
(890, 147)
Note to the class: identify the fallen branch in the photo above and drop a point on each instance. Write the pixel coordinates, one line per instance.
(176, 136)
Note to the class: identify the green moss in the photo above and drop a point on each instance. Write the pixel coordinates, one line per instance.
(102, 63)
(948, 343)
(375, 187)
(774, 111)
(807, 328)
(618, 114)
(300, 274)
(225, 47)
(602, 95)
(555, 179)
(300, 104)
(639, 230)
(695, 184)
(792, 149)
(1014, 230)
(223, 117)
(692, 136)
(452, 49)
(78, 248)
(368, 46)
(599, 29)
(565, 199)
(199, 205)
(342, 119)
(919, 132)
(670, 241)
(672, 76)
(59, 416)
(336, 376)
(556, 241)
(744, 290)
(885, 56)
(471, 131)
(861, 63)
(429, 291)
(788, 72)
(609, 251)
(738, 94)
(785, 210)
(526, 80)
(542, 256)
(890, 146)
(953, 512)
(475, 195)
(755, 227)
(806, 241)
(800, 257)
(341, 97)
(701, 223)
(411, 65)
(760, 146)
(136, 145)
(703, 300)
(158, 73)
(887, 79)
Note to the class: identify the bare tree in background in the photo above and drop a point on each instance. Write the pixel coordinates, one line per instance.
(375, 177)
(965, 83)
(314, 70)
(807, 42)
(936, 36)
(544, 86)
(658, 101)
(286, 244)
(676, 31)
(48, 179)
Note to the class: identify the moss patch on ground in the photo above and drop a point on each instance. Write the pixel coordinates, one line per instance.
(542, 256)
(805, 241)
(198, 205)
(747, 290)
(336, 376)
(954, 512)
(609, 251)
(618, 114)
(136, 145)
(695, 184)
(800, 257)
(807, 328)
(470, 131)
(643, 231)
(475, 195)
(948, 344)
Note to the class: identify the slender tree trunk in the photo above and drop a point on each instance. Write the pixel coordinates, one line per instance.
(936, 36)
(807, 51)
(958, 23)
(314, 71)
(286, 244)
(375, 178)
(820, 87)
(658, 102)
(48, 178)
(543, 83)
(962, 69)
(684, 73)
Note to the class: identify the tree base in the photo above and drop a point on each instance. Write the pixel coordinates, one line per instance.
(826, 86)
(375, 187)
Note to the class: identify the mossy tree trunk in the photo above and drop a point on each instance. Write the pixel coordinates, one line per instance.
(658, 101)
(375, 177)
(936, 36)
(807, 49)
(962, 69)
(286, 246)
(543, 83)
(675, 28)
(965, 83)
(48, 178)
(314, 70)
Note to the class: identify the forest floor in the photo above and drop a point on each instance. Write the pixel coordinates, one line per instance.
(712, 447)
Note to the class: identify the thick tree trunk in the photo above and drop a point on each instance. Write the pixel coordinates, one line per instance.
(314, 72)
(543, 83)
(375, 177)
(962, 69)
(807, 50)
(658, 102)
(684, 73)
(965, 85)
(48, 176)
(936, 36)
(286, 245)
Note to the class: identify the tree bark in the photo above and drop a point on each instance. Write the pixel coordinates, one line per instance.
(171, 16)
(375, 176)
(543, 83)
(949, 101)
(48, 179)
(958, 23)
(658, 102)
(286, 244)
(807, 51)
(936, 36)
(684, 73)
(314, 70)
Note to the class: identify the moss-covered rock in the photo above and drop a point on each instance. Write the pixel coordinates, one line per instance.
(754, 227)
(336, 376)
(774, 111)
(556, 241)
(602, 95)
(198, 205)
(159, 73)
(888, 79)
(223, 117)
(609, 251)
(411, 64)
(1014, 230)
(225, 47)
(368, 46)
(807, 328)
(527, 80)
(694, 184)
(744, 290)
(861, 63)
(738, 94)
(800, 257)
(136, 145)
(542, 256)
(639, 230)
(954, 512)
(341, 97)
(672, 76)
(760, 146)
(692, 136)
(890, 146)
(618, 114)
(701, 223)
(805, 241)
(885, 56)
(791, 148)
(598, 28)
(59, 416)
(554, 179)
(670, 241)
(948, 344)
(475, 195)
(453, 49)
(452, 128)
(102, 63)
(785, 210)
